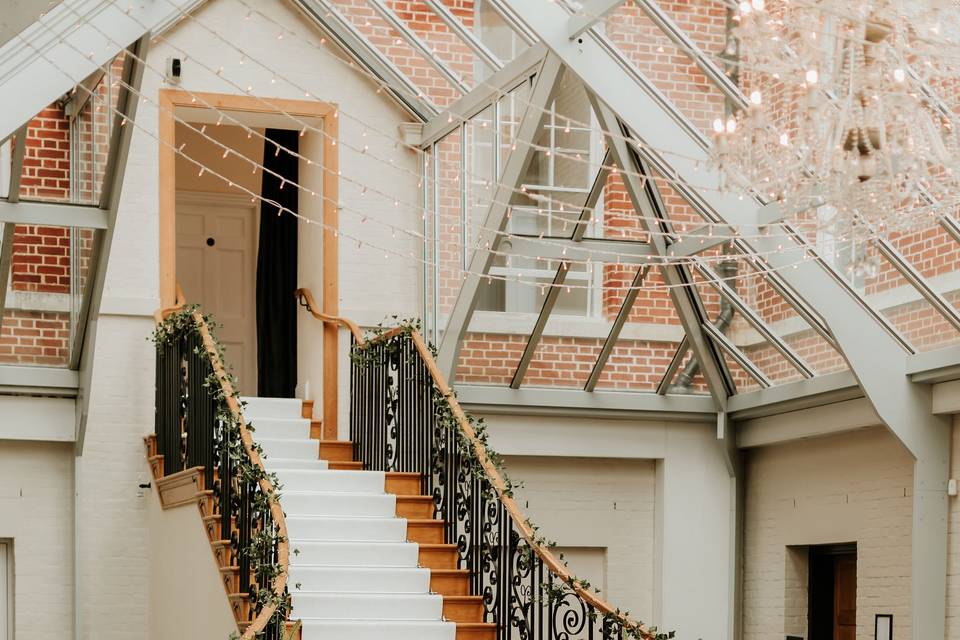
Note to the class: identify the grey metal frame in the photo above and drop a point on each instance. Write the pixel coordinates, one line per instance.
(13, 196)
(550, 299)
(623, 314)
(502, 82)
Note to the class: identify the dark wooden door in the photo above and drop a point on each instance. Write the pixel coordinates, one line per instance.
(845, 597)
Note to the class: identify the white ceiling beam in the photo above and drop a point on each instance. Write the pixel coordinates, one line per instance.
(32, 81)
(52, 214)
(590, 13)
(512, 75)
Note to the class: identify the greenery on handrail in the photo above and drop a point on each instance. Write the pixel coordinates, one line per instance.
(181, 324)
(446, 418)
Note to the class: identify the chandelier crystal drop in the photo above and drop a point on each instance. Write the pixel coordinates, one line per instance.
(849, 120)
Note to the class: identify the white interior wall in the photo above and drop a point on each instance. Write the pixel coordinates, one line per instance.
(853, 487)
(184, 609)
(688, 567)
(36, 513)
(114, 535)
(600, 512)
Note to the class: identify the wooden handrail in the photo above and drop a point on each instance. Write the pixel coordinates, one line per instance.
(306, 300)
(283, 547)
(558, 568)
(179, 303)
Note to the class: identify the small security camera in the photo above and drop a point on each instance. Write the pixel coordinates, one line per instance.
(173, 70)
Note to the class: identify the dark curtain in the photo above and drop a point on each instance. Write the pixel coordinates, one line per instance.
(277, 268)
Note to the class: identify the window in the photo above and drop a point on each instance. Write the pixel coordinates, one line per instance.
(558, 180)
(6, 591)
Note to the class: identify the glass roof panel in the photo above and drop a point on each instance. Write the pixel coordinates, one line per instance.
(903, 305)
(639, 40)
(391, 44)
(446, 45)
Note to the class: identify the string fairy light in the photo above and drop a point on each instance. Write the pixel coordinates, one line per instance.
(360, 243)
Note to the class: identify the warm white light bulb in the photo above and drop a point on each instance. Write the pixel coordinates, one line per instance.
(745, 8)
(899, 75)
(718, 125)
(731, 125)
(758, 5)
(755, 97)
(812, 76)
(784, 139)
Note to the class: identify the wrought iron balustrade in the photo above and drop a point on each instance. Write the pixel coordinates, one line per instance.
(199, 424)
(404, 417)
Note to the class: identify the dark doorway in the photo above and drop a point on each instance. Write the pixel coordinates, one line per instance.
(277, 267)
(833, 592)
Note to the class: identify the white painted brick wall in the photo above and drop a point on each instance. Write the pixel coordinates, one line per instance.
(114, 570)
(854, 487)
(36, 511)
(597, 502)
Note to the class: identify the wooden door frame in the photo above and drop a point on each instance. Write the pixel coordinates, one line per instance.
(169, 100)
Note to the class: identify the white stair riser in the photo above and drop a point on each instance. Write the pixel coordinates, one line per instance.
(276, 464)
(359, 554)
(333, 606)
(273, 428)
(347, 529)
(359, 630)
(273, 407)
(360, 579)
(338, 504)
(306, 449)
(332, 481)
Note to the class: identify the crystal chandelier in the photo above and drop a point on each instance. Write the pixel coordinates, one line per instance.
(849, 123)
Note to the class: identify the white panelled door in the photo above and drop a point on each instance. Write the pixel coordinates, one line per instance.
(216, 266)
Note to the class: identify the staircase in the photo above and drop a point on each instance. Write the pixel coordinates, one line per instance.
(368, 559)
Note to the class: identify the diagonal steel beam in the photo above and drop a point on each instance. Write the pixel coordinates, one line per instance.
(13, 196)
(495, 222)
(325, 14)
(418, 45)
(649, 206)
(621, 319)
(915, 278)
(664, 385)
(119, 149)
(16, 164)
(724, 342)
(550, 300)
(747, 313)
(950, 224)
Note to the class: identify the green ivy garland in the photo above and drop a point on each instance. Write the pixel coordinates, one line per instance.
(363, 356)
(174, 328)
